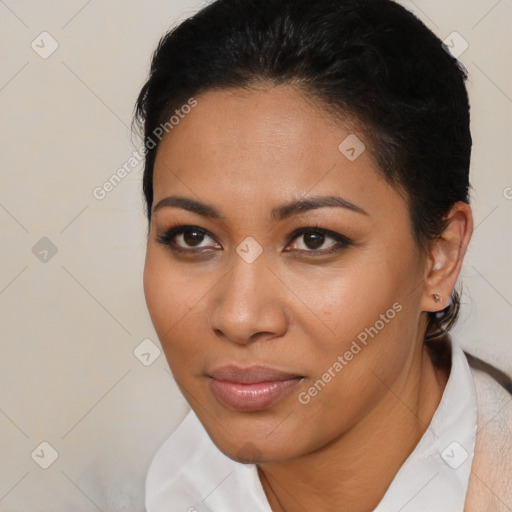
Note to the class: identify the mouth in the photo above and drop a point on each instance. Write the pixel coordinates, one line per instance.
(251, 389)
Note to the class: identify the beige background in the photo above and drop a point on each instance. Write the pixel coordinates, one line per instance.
(69, 325)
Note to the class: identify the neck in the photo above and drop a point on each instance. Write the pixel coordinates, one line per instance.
(353, 472)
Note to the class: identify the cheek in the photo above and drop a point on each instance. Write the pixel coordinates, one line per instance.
(165, 293)
(157, 291)
(364, 313)
(176, 306)
(336, 303)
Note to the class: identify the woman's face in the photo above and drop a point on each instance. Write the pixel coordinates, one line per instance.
(333, 310)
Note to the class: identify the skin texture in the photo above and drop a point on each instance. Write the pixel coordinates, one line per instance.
(246, 152)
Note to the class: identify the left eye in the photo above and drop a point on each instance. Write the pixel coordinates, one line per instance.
(315, 239)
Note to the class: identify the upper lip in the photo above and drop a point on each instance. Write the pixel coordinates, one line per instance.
(251, 375)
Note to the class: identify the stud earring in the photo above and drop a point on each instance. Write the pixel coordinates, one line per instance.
(437, 298)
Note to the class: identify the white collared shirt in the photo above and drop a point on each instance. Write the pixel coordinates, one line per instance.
(190, 474)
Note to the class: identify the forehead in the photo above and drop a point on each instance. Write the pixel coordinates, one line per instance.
(266, 146)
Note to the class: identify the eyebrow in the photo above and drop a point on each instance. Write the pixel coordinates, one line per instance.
(278, 213)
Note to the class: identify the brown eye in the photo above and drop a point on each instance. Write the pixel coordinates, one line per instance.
(187, 238)
(319, 241)
(193, 237)
(314, 240)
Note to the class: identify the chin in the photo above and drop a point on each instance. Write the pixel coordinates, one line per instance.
(252, 446)
(251, 453)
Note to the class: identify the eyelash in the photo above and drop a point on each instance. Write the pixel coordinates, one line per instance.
(168, 237)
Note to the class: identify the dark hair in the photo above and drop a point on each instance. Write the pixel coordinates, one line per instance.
(370, 61)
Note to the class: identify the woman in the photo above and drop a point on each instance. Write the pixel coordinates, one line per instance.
(306, 181)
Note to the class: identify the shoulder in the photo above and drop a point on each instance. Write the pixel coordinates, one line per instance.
(490, 486)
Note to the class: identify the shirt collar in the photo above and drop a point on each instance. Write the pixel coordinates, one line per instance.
(190, 474)
(435, 476)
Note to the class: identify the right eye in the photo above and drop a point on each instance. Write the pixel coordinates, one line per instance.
(186, 239)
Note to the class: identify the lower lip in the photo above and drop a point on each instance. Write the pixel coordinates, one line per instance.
(251, 397)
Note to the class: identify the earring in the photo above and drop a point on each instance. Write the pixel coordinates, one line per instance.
(437, 298)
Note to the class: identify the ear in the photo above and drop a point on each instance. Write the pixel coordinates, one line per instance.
(446, 256)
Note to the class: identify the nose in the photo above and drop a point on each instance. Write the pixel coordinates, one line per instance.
(248, 304)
